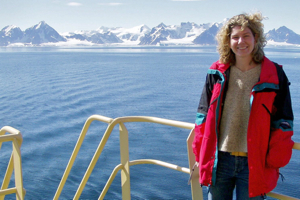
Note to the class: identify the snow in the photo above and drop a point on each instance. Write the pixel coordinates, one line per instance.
(69, 43)
(42, 23)
(16, 45)
(7, 30)
(126, 43)
(182, 41)
(273, 43)
(134, 30)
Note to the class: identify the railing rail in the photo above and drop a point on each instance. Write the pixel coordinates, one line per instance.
(281, 196)
(125, 164)
(14, 165)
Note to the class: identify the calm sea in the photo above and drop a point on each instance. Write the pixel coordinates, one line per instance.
(48, 93)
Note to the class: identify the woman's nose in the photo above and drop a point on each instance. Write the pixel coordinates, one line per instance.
(241, 39)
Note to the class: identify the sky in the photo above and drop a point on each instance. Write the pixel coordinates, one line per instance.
(73, 15)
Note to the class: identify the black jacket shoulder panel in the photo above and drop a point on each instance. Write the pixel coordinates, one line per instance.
(283, 102)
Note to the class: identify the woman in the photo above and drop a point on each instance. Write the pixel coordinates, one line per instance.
(244, 121)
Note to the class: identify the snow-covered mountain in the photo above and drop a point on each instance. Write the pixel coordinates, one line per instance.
(95, 37)
(42, 33)
(184, 34)
(129, 35)
(283, 34)
(10, 34)
(207, 37)
(35, 35)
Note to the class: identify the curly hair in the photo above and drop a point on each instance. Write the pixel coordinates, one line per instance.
(253, 22)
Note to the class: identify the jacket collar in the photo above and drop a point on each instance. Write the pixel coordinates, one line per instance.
(268, 72)
(220, 66)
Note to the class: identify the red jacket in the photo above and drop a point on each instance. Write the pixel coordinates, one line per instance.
(270, 126)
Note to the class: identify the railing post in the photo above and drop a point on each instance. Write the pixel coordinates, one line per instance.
(124, 154)
(8, 174)
(18, 170)
(197, 193)
(14, 165)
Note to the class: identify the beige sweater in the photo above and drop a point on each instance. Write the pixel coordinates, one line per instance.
(236, 111)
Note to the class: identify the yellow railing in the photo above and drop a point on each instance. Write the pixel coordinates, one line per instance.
(14, 165)
(125, 164)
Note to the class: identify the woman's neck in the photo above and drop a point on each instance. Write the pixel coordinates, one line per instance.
(245, 64)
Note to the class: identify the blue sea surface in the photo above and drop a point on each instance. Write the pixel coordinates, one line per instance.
(48, 94)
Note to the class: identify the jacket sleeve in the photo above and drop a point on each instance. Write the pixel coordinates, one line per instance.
(201, 116)
(280, 143)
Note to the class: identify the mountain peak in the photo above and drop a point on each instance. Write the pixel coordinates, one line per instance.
(42, 33)
(41, 24)
(283, 34)
(161, 25)
(283, 29)
(8, 29)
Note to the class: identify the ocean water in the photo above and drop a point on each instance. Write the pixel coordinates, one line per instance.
(48, 93)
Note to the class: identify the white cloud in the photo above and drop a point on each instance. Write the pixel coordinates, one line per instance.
(74, 4)
(186, 0)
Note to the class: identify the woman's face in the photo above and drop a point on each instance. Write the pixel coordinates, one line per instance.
(242, 42)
